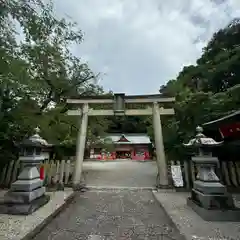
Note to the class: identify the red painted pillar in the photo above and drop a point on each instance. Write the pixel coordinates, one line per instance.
(146, 155)
(41, 172)
(133, 154)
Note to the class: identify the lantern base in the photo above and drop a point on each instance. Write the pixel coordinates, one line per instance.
(214, 207)
(24, 208)
(210, 187)
(217, 215)
(24, 197)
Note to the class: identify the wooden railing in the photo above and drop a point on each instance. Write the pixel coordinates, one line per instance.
(228, 172)
(9, 173)
(55, 172)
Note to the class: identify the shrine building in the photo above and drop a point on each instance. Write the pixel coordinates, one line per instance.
(226, 129)
(124, 146)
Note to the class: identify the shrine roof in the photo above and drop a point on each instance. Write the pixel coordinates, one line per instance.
(131, 138)
(231, 118)
(226, 127)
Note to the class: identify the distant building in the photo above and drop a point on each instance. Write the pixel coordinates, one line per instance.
(124, 146)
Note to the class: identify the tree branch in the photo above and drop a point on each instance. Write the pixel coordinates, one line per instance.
(47, 101)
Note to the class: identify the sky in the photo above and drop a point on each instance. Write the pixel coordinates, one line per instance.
(138, 45)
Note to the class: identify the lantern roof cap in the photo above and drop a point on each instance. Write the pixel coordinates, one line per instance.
(201, 140)
(36, 140)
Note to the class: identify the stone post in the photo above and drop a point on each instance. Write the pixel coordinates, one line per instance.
(160, 154)
(81, 140)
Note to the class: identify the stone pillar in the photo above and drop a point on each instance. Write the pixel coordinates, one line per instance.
(80, 147)
(160, 154)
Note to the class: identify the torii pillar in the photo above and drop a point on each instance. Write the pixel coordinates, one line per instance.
(160, 152)
(80, 147)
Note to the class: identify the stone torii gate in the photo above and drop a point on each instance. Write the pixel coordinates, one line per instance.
(119, 107)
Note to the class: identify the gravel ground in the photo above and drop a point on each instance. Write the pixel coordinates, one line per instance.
(112, 214)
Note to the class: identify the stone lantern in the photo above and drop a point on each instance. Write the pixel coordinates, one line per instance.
(27, 194)
(209, 197)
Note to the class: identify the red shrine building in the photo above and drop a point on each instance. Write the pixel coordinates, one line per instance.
(125, 146)
(226, 128)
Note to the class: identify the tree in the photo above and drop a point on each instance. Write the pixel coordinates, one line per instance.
(206, 91)
(221, 58)
(38, 73)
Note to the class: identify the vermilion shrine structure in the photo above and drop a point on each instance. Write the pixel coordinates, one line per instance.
(227, 127)
(120, 105)
(125, 146)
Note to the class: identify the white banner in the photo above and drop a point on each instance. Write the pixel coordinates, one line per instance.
(177, 176)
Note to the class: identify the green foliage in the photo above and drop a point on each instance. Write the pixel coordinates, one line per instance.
(204, 92)
(38, 73)
(127, 124)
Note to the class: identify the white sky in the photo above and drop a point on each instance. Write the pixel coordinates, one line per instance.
(139, 45)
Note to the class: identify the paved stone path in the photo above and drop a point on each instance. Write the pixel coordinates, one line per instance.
(191, 224)
(111, 214)
(120, 174)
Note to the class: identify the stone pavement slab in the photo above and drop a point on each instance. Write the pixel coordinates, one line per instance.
(190, 224)
(112, 214)
(122, 174)
(13, 227)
